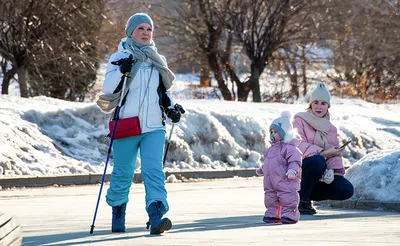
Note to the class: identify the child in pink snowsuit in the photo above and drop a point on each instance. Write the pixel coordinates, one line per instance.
(282, 172)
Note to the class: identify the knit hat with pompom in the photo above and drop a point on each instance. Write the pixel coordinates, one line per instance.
(283, 125)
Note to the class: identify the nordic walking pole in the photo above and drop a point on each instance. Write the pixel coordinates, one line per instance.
(109, 149)
(169, 140)
(182, 111)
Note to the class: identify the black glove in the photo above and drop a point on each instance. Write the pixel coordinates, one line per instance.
(179, 108)
(126, 66)
(174, 115)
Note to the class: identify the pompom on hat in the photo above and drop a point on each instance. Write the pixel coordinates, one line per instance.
(283, 126)
(135, 20)
(321, 93)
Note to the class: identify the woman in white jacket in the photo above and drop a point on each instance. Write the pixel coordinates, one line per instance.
(149, 99)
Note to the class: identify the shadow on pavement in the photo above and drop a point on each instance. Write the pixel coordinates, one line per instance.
(256, 220)
(344, 214)
(106, 235)
(224, 223)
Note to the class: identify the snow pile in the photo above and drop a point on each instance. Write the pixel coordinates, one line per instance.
(377, 176)
(46, 136)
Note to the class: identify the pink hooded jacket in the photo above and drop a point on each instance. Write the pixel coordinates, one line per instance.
(278, 159)
(307, 146)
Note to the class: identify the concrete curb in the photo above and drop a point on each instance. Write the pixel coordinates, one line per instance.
(86, 179)
(214, 174)
(362, 204)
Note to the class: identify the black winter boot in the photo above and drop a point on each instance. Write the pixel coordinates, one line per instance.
(118, 218)
(305, 207)
(157, 224)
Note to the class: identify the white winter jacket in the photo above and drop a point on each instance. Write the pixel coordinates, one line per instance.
(142, 91)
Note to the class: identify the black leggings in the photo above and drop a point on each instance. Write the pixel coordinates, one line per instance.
(312, 189)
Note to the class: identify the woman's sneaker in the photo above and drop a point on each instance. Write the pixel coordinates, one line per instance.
(305, 207)
(271, 220)
(286, 220)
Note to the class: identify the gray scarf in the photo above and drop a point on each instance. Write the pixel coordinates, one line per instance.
(141, 52)
(321, 126)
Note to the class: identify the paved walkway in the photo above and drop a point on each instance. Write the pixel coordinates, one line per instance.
(222, 212)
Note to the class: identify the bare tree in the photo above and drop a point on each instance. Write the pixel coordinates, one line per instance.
(198, 32)
(264, 26)
(365, 42)
(8, 74)
(207, 33)
(40, 36)
(212, 30)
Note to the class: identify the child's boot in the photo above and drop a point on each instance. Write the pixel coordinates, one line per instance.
(271, 220)
(286, 220)
(118, 218)
(157, 224)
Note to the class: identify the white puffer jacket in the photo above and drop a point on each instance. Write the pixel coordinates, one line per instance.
(142, 91)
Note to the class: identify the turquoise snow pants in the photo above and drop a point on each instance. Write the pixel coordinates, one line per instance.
(125, 151)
